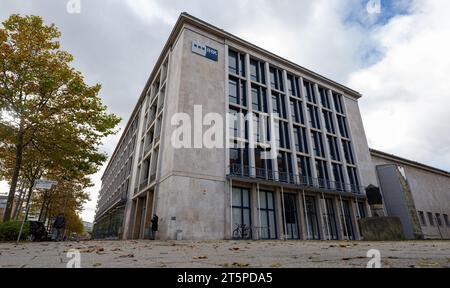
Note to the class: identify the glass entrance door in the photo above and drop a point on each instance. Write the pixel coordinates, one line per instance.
(347, 220)
(290, 216)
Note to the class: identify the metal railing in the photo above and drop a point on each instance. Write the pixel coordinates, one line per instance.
(291, 178)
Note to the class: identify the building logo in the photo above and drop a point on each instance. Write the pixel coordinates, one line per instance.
(205, 51)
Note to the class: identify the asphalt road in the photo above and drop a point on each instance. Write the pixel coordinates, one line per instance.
(216, 254)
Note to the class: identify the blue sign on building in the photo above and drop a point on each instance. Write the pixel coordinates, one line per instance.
(205, 51)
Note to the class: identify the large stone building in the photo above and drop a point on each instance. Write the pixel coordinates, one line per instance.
(312, 189)
(416, 193)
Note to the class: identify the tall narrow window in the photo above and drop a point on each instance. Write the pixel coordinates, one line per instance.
(259, 100)
(317, 144)
(242, 65)
(257, 71)
(338, 176)
(276, 78)
(267, 213)
(328, 118)
(324, 99)
(334, 149)
(330, 220)
(310, 94)
(362, 210)
(348, 153)
(313, 114)
(290, 216)
(438, 219)
(322, 174)
(447, 222)
(283, 135)
(300, 139)
(263, 166)
(342, 126)
(233, 62)
(233, 91)
(293, 87)
(347, 221)
(234, 123)
(304, 169)
(296, 111)
(353, 178)
(430, 218)
(422, 218)
(241, 213)
(311, 218)
(285, 167)
(338, 105)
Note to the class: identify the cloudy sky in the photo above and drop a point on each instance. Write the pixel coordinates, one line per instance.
(398, 58)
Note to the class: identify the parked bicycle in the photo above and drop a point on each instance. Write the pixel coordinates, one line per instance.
(242, 231)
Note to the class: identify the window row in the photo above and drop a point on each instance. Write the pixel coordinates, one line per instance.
(433, 219)
(243, 228)
(240, 164)
(238, 128)
(237, 66)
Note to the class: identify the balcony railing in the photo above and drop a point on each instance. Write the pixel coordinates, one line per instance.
(290, 178)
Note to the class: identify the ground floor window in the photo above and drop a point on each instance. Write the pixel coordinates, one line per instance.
(267, 215)
(241, 214)
(311, 218)
(347, 221)
(330, 220)
(362, 210)
(110, 225)
(290, 216)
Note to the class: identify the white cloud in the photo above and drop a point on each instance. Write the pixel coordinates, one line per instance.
(151, 11)
(406, 94)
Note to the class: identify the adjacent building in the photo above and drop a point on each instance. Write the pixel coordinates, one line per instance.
(313, 186)
(416, 193)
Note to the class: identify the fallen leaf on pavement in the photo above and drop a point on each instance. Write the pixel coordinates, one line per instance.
(200, 257)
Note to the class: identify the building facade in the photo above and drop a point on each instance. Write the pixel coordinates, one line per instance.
(311, 188)
(416, 193)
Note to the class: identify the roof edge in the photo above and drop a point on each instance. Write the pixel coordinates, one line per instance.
(419, 165)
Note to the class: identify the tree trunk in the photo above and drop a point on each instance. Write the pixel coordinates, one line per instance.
(44, 202)
(15, 177)
(19, 200)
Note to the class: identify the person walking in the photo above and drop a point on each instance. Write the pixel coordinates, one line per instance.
(59, 225)
(154, 226)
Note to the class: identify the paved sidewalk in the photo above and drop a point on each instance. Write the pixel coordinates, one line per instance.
(213, 254)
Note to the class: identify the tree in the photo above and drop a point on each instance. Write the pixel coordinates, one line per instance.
(45, 103)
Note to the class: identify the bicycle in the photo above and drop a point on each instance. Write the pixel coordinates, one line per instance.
(242, 231)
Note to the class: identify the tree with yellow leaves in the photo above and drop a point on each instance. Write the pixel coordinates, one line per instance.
(45, 108)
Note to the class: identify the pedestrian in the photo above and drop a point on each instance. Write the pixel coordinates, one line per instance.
(154, 226)
(59, 225)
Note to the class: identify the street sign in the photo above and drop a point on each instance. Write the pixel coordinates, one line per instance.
(38, 184)
(44, 184)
